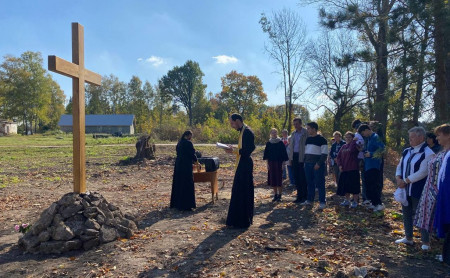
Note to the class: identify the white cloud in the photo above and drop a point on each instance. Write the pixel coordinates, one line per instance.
(224, 59)
(153, 60)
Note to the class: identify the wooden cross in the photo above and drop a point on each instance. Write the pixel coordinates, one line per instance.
(79, 75)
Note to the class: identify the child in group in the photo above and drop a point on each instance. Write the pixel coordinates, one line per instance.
(275, 154)
(347, 160)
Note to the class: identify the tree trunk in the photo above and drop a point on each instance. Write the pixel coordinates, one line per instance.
(337, 120)
(440, 97)
(399, 115)
(420, 76)
(381, 100)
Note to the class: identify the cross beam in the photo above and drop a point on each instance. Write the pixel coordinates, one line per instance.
(79, 75)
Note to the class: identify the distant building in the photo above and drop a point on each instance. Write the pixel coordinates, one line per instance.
(102, 123)
(7, 127)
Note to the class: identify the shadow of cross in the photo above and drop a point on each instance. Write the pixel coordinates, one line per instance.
(79, 75)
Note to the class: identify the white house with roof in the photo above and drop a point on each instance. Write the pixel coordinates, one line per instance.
(111, 124)
(7, 127)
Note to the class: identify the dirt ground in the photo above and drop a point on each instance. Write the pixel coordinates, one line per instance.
(285, 240)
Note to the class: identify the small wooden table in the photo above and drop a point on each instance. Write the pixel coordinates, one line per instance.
(210, 177)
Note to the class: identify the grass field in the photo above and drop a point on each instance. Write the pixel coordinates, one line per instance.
(60, 140)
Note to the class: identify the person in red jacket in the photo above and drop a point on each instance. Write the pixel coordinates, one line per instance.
(347, 160)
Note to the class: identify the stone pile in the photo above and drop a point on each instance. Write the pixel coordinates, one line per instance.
(77, 221)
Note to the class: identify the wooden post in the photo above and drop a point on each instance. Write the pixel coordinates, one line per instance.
(79, 75)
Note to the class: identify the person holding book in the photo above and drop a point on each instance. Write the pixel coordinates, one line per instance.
(240, 212)
(275, 154)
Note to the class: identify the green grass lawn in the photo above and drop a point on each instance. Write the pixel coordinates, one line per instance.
(60, 140)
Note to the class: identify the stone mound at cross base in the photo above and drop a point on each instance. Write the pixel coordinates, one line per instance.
(77, 221)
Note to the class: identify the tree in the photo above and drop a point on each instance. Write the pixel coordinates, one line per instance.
(371, 20)
(97, 99)
(182, 83)
(56, 107)
(26, 89)
(337, 79)
(240, 93)
(287, 37)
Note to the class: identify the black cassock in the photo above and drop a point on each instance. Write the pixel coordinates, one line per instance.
(240, 213)
(183, 192)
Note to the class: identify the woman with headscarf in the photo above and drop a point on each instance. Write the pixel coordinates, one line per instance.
(183, 192)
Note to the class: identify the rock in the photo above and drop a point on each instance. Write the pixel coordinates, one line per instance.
(85, 203)
(28, 241)
(62, 232)
(45, 220)
(57, 220)
(129, 224)
(90, 212)
(77, 221)
(103, 207)
(44, 236)
(341, 274)
(72, 245)
(71, 210)
(52, 247)
(91, 232)
(76, 224)
(111, 222)
(130, 217)
(69, 199)
(112, 207)
(91, 243)
(322, 264)
(360, 271)
(85, 238)
(87, 198)
(124, 231)
(117, 213)
(92, 224)
(100, 219)
(107, 234)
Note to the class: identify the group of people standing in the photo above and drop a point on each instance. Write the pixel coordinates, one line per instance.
(307, 153)
(423, 171)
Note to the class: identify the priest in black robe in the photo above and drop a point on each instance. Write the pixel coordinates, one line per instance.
(183, 192)
(240, 212)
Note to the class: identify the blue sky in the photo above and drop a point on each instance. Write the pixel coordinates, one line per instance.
(148, 38)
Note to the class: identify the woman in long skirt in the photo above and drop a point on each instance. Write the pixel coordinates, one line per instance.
(275, 154)
(347, 160)
(442, 217)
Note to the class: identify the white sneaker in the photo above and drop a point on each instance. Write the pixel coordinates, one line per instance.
(370, 206)
(322, 205)
(306, 203)
(404, 241)
(439, 258)
(426, 247)
(379, 208)
(345, 203)
(354, 204)
(366, 203)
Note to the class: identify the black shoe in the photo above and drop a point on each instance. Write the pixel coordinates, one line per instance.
(279, 198)
(275, 198)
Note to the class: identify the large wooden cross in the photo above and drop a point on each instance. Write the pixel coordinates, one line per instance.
(79, 75)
